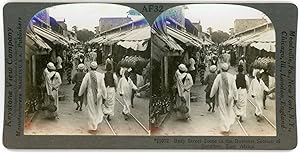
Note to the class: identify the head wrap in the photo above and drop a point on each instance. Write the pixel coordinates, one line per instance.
(81, 66)
(94, 65)
(225, 66)
(51, 66)
(213, 68)
(182, 67)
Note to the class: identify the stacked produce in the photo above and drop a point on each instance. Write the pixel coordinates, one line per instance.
(132, 61)
(264, 63)
(160, 105)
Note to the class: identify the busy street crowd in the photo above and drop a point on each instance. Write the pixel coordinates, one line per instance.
(228, 83)
(95, 86)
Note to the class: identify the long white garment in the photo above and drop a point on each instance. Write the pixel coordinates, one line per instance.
(109, 105)
(184, 90)
(272, 84)
(125, 88)
(140, 80)
(257, 89)
(226, 111)
(241, 105)
(95, 113)
(54, 83)
(47, 81)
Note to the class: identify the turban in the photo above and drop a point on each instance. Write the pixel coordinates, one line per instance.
(51, 66)
(94, 65)
(81, 66)
(182, 67)
(225, 66)
(213, 68)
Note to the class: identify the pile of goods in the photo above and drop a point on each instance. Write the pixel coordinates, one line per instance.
(34, 101)
(264, 63)
(133, 61)
(160, 105)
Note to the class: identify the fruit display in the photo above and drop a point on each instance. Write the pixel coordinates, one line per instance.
(160, 105)
(133, 61)
(264, 63)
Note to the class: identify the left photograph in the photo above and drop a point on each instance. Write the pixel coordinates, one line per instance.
(87, 71)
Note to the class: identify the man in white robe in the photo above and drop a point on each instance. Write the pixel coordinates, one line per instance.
(93, 91)
(184, 83)
(111, 82)
(242, 84)
(52, 90)
(46, 79)
(256, 90)
(125, 87)
(225, 92)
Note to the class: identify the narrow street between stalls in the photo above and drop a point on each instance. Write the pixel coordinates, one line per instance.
(74, 122)
(205, 123)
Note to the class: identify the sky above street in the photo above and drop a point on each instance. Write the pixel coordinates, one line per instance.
(220, 16)
(217, 16)
(86, 15)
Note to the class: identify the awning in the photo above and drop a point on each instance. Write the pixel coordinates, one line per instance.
(184, 37)
(136, 39)
(207, 42)
(38, 41)
(230, 41)
(265, 37)
(164, 45)
(73, 41)
(171, 44)
(107, 39)
(50, 35)
(95, 40)
(135, 45)
(262, 41)
(269, 47)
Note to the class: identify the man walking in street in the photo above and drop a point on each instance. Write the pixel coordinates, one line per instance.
(53, 85)
(125, 87)
(59, 66)
(192, 68)
(256, 90)
(209, 80)
(184, 83)
(242, 84)
(225, 92)
(77, 80)
(111, 82)
(93, 91)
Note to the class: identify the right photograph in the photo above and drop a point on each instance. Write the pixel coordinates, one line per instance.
(213, 72)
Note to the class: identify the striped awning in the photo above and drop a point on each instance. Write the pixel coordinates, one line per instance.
(48, 34)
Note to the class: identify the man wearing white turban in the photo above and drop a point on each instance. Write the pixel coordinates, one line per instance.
(77, 80)
(225, 92)
(54, 82)
(184, 84)
(93, 91)
(256, 90)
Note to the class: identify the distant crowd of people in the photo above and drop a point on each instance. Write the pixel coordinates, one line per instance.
(96, 90)
(228, 92)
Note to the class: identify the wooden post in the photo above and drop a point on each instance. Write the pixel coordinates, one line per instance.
(33, 63)
(165, 65)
